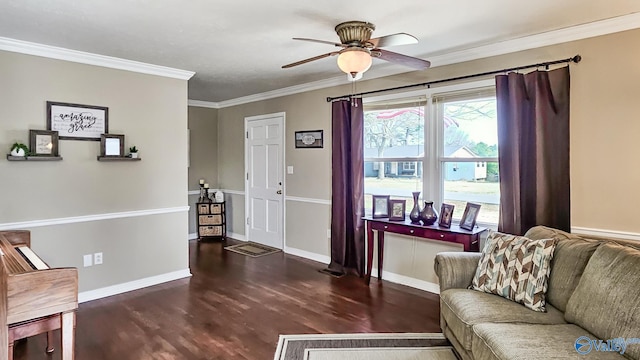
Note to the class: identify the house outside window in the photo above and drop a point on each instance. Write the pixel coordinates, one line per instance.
(441, 142)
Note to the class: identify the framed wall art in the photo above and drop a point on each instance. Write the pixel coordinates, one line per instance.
(446, 214)
(469, 217)
(397, 209)
(380, 206)
(43, 143)
(112, 145)
(76, 121)
(309, 139)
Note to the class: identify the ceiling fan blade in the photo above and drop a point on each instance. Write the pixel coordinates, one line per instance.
(310, 59)
(321, 42)
(393, 40)
(405, 60)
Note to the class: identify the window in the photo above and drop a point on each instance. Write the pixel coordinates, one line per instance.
(393, 149)
(450, 155)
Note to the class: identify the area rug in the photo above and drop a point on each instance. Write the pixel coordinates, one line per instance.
(252, 249)
(396, 346)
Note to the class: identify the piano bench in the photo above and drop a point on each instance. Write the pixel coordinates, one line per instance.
(34, 327)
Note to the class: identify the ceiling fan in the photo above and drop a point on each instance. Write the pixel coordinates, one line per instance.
(358, 49)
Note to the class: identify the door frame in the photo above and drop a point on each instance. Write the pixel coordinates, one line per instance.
(283, 212)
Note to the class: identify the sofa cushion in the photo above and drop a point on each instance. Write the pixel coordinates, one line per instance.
(569, 260)
(606, 302)
(464, 308)
(516, 268)
(533, 342)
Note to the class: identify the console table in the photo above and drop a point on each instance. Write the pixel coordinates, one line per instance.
(469, 239)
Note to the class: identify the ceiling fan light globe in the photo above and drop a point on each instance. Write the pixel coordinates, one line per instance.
(354, 61)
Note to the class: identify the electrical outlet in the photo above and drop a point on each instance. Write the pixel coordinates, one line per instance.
(97, 258)
(88, 260)
(328, 233)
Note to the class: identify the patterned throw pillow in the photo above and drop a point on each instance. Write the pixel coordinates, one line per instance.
(516, 268)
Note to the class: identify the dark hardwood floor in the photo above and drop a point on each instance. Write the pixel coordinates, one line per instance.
(234, 307)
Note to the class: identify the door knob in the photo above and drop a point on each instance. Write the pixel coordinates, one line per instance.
(279, 192)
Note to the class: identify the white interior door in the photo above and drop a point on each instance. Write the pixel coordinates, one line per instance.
(264, 176)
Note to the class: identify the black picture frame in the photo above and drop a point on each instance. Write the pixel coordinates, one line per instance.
(446, 215)
(380, 206)
(43, 143)
(468, 221)
(111, 145)
(77, 121)
(309, 139)
(397, 209)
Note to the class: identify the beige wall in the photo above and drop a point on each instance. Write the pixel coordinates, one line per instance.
(203, 141)
(604, 91)
(203, 154)
(151, 112)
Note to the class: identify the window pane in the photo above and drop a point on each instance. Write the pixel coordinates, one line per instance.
(394, 133)
(466, 182)
(399, 181)
(470, 128)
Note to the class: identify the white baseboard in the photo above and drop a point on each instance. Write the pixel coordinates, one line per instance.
(194, 236)
(307, 255)
(408, 281)
(235, 236)
(132, 285)
(388, 276)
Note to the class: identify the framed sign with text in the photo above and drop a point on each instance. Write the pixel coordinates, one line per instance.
(76, 121)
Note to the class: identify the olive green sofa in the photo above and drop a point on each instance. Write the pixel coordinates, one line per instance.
(593, 294)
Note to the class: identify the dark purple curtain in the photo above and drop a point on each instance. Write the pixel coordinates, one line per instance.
(533, 144)
(347, 184)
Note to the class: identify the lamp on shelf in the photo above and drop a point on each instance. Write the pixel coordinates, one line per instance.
(354, 61)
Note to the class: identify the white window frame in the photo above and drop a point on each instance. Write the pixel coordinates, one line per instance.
(433, 165)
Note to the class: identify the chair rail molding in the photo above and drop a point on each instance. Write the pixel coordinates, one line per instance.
(94, 217)
(605, 233)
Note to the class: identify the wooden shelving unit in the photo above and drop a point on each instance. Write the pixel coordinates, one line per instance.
(117, 158)
(34, 158)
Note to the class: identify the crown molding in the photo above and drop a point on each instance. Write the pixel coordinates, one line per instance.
(53, 52)
(204, 104)
(578, 32)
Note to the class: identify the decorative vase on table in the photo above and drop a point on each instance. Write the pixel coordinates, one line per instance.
(414, 216)
(428, 215)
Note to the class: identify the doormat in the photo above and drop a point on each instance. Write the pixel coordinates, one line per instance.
(397, 346)
(252, 249)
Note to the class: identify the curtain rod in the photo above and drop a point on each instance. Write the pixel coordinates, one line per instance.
(576, 59)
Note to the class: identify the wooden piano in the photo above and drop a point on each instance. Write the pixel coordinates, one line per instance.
(34, 298)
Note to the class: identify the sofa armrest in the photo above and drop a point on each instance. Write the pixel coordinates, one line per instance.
(455, 270)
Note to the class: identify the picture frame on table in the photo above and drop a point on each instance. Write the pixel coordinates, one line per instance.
(468, 221)
(112, 145)
(309, 139)
(77, 121)
(446, 215)
(397, 210)
(43, 143)
(380, 206)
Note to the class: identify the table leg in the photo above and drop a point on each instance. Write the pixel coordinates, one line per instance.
(67, 332)
(380, 252)
(369, 252)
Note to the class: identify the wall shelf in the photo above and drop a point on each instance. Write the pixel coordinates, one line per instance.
(34, 158)
(117, 158)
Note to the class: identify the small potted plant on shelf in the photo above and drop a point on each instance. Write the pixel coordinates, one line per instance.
(133, 152)
(19, 149)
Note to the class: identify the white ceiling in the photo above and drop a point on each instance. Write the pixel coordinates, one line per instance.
(237, 47)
